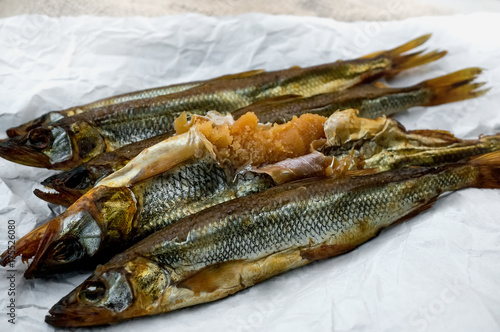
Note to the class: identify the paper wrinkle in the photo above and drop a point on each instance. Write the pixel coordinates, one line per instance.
(395, 282)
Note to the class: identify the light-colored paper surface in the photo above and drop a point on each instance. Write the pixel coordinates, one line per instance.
(437, 272)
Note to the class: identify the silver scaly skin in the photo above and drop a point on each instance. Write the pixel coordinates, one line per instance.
(236, 244)
(49, 117)
(104, 129)
(109, 219)
(189, 188)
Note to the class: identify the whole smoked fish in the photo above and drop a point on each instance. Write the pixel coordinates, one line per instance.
(372, 101)
(71, 141)
(224, 249)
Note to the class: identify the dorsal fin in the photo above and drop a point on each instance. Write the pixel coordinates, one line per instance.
(439, 134)
(240, 75)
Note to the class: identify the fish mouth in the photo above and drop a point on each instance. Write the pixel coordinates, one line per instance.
(67, 187)
(33, 245)
(17, 131)
(57, 196)
(26, 247)
(69, 312)
(51, 231)
(16, 150)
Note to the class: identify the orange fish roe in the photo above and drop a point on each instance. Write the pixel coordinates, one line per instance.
(248, 142)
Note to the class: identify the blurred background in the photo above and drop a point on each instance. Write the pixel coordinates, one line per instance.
(352, 10)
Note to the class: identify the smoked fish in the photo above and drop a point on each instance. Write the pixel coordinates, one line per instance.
(71, 141)
(224, 249)
(372, 101)
(53, 116)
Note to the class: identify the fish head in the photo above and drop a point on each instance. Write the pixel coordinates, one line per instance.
(43, 120)
(67, 187)
(84, 233)
(57, 146)
(113, 293)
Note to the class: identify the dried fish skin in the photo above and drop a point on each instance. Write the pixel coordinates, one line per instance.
(372, 101)
(237, 244)
(384, 144)
(121, 124)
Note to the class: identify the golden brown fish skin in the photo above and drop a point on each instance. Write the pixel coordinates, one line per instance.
(372, 101)
(117, 125)
(237, 244)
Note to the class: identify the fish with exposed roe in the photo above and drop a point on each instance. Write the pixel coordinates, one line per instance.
(216, 161)
(372, 101)
(71, 141)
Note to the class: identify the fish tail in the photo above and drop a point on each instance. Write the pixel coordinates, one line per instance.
(489, 170)
(402, 61)
(454, 87)
(401, 49)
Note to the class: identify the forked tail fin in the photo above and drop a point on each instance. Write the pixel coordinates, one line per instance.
(489, 170)
(454, 87)
(402, 61)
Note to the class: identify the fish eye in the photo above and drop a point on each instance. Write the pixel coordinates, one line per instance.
(92, 291)
(39, 138)
(67, 250)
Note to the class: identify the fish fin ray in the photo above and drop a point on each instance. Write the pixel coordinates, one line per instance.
(489, 169)
(453, 87)
(402, 48)
(244, 74)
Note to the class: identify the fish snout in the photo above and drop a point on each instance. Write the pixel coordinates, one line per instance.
(26, 150)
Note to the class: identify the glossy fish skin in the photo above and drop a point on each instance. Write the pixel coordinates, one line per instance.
(65, 188)
(108, 128)
(237, 244)
(109, 219)
(49, 117)
(372, 101)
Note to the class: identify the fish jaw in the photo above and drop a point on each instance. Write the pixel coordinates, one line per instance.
(19, 150)
(26, 247)
(58, 196)
(67, 187)
(68, 312)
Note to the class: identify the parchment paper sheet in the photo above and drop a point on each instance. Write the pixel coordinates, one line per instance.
(437, 272)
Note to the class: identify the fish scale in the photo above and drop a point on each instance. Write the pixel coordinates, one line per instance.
(189, 188)
(105, 129)
(123, 125)
(226, 248)
(320, 213)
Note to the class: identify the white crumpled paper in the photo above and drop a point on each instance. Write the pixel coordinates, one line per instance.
(437, 272)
